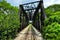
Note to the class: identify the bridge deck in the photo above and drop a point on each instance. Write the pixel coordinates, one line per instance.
(29, 33)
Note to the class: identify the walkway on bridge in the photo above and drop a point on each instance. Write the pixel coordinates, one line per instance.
(29, 33)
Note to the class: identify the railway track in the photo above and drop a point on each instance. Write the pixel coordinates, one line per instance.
(29, 33)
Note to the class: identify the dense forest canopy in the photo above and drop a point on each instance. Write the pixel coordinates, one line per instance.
(9, 21)
(52, 23)
(52, 9)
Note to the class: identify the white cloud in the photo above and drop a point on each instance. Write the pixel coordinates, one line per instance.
(57, 1)
(50, 2)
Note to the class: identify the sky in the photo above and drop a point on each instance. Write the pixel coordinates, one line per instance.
(46, 2)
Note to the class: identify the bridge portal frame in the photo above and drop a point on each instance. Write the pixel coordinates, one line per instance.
(41, 19)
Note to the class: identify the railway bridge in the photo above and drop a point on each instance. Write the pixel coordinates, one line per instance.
(32, 16)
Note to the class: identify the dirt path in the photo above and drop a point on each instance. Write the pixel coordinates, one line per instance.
(37, 34)
(22, 34)
(29, 33)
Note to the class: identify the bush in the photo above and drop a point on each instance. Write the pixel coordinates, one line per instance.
(52, 32)
(52, 19)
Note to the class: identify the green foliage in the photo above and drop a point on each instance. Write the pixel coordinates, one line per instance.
(51, 31)
(9, 21)
(52, 9)
(52, 19)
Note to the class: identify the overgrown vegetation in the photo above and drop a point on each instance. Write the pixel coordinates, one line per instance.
(9, 21)
(51, 31)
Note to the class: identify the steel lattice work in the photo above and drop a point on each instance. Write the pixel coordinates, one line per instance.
(34, 12)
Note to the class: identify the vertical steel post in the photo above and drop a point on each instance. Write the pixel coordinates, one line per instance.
(43, 15)
(20, 11)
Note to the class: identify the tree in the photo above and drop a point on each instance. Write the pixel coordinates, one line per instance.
(9, 21)
(52, 23)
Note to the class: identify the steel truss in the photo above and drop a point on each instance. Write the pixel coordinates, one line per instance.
(34, 12)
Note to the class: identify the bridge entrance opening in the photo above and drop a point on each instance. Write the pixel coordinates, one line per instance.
(33, 13)
(30, 22)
